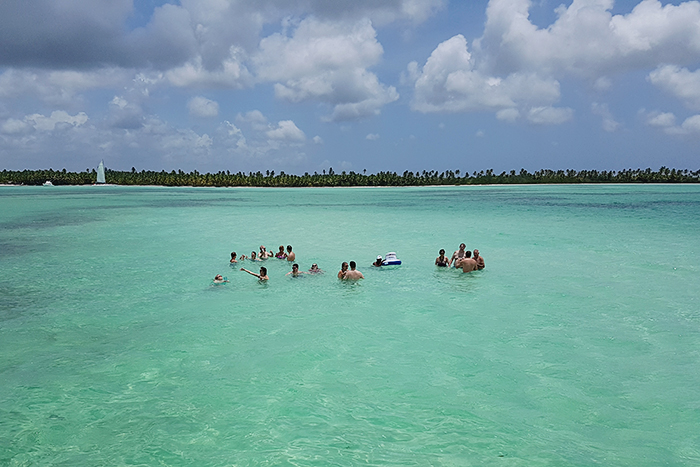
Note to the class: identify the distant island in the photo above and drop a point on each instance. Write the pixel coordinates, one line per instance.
(333, 179)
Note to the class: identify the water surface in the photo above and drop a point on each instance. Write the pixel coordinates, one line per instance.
(577, 345)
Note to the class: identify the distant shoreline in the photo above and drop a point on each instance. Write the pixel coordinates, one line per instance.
(349, 179)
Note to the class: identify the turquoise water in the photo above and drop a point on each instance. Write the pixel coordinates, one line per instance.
(579, 344)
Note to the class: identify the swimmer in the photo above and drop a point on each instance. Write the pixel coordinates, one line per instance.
(233, 257)
(457, 255)
(441, 260)
(281, 254)
(263, 253)
(253, 256)
(467, 263)
(315, 269)
(353, 274)
(262, 276)
(378, 262)
(295, 271)
(343, 270)
(291, 256)
(479, 260)
(219, 279)
(243, 257)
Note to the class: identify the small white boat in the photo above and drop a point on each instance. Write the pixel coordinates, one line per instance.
(390, 259)
(48, 183)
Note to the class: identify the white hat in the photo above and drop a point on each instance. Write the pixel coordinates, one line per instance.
(379, 256)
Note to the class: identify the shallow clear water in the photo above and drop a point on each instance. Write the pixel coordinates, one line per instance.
(579, 344)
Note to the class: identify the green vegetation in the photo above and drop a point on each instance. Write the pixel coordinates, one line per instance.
(270, 179)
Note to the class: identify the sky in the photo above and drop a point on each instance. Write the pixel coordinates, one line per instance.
(377, 85)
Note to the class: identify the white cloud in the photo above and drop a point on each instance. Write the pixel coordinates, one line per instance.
(58, 118)
(515, 68)
(609, 123)
(286, 130)
(328, 62)
(680, 82)
(587, 40)
(13, 126)
(550, 115)
(663, 120)
(202, 107)
(667, 122)
(317, 140)
(449, 82)
(372, 136)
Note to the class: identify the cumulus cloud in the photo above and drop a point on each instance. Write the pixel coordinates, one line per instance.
(329, 62)
(587, 40)
(515, 68)
(450, 82)
(680, 82)
(372, 136)
(286, 130)
(202, 107)
(667, 122)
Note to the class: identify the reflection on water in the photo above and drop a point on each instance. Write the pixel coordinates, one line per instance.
(116, 348)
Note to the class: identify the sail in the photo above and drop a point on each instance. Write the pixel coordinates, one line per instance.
(101, 172)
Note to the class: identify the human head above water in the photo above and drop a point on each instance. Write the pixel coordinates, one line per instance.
(462, 246)
(353, 264)
(344, 266)
(263, 271)
(233, 255)
(468, 254)
(289, 248)
(295, 267)
(442, 252)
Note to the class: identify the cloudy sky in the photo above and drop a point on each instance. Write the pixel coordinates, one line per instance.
(304, 85)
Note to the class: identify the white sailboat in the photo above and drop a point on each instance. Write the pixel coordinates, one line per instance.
(101, 173)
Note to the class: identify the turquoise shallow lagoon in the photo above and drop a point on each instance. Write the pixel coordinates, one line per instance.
(578, 345)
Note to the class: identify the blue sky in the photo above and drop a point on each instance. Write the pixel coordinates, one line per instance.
(304, 85)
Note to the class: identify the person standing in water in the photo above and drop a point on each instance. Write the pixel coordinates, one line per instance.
(295, 271)
(378, 262)
(353, 274)
(281, 254)
(233, 257)
(441, 260)
(262, 276)
(343, 270)
(467, 263)
(479, 260)
(291, 256)
(458, 255)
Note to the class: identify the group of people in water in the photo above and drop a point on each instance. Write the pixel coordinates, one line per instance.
(462, 259)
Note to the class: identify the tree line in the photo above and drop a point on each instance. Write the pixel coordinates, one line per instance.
(333, 179)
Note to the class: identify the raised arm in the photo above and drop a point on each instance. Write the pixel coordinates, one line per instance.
(251, 273)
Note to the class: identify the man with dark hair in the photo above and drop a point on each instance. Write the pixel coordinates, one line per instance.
(290, 255)
(353, 274)
(467, 263)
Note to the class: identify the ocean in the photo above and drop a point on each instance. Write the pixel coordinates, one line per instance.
(577, 345)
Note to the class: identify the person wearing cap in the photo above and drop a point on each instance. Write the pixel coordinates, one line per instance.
(378, 262)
